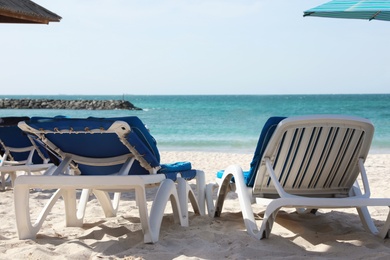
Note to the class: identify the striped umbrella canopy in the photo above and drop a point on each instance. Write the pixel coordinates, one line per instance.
(363, 9)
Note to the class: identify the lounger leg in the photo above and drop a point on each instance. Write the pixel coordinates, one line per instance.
(74, 218)
(12, 175)
(201, 186)
(385, 230)
(26, 230)
(110, 208)
(2, 180)
(84, 198)
(366, 219)
(140, 196)
(223, 190)
(209, 190)
(243, 198)
(196, 204)
(369, 225)
(185, 192)
(268, 220)
(166, 191)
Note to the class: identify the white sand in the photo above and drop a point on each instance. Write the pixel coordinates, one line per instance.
(329, 234)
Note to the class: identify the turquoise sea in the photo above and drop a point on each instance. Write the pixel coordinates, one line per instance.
(228, 123)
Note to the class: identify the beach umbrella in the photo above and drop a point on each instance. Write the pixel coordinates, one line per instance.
(25, 11)
(349, 9)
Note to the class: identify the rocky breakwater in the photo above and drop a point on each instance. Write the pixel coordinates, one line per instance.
(66, 104)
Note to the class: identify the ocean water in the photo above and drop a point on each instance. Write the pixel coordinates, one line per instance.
(228, 123)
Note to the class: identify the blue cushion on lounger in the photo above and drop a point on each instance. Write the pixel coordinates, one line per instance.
(175, 167)
(246, 175)
(139, 137)
(266, 134)
(140, 129)
(12, 136)
(187, 175)
(172, 169)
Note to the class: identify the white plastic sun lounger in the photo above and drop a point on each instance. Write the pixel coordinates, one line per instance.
(307, 162)
(19, 153)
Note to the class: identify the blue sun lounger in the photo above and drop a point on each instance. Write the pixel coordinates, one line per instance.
(19, 154)
(106, 155)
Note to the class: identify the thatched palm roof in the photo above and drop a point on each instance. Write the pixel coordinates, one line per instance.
(25, 11)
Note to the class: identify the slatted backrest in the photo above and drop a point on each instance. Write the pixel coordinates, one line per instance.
(315, 155)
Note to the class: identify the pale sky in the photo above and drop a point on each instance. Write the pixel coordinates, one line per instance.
(115, 47)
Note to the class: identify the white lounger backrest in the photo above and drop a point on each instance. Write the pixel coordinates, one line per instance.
(315, 155)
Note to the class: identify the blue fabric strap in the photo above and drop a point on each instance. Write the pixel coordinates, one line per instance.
(246, 175)
(175, 167)
(187, 175)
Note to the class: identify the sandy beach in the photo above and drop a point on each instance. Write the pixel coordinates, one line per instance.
(329, 234)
